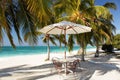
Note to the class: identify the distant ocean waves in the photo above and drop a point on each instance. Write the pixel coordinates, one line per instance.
(8, 51)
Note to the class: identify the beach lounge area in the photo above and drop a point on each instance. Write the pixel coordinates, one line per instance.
(106, 67)
(59, 40)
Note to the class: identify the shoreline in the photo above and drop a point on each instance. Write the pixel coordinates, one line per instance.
(45, 53)
(20, 51)
(53, 54)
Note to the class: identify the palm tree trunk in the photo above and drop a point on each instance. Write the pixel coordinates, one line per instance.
(82, 56)
(97, 51)
(48, 50)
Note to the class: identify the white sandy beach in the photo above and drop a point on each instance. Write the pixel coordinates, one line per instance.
(34, 67)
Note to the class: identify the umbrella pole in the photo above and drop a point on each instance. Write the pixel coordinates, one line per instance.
(65, 42)
(65, 46)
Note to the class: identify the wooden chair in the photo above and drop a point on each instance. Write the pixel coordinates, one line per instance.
(73, 65)
(57, 64)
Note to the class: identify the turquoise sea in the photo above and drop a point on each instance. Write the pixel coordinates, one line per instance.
(8, 51)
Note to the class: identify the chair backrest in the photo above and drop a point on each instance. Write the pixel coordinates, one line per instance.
(73, 65)
(57, 63)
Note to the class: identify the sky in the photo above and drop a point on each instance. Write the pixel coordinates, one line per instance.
(116, 22)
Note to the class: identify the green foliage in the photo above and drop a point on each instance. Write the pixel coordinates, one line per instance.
(70, 42)
(24, 16)
(110, 5)
(107, 48)
(116, 41)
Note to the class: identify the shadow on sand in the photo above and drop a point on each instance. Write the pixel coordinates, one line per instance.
(41, 71)
(99, 65)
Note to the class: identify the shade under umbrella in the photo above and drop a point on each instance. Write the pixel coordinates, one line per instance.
(65, 27)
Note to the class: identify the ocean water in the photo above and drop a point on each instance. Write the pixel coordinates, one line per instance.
(8, 51)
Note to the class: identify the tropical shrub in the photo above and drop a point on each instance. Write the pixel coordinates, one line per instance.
(107, 48)
(116, 41)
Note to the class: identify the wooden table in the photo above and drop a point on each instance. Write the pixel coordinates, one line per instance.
(64, 61)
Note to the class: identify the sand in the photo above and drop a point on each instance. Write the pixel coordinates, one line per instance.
(34, 67)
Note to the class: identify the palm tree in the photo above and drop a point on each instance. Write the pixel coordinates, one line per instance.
(44, 15)
(99, 19)
(103, 23)
(85, 12)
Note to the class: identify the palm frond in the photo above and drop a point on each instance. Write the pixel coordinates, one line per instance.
(31, 38)
(52, 40)
(70, 42)
(40, 9)
(9, 35)
(12, 19)
(110, 5)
